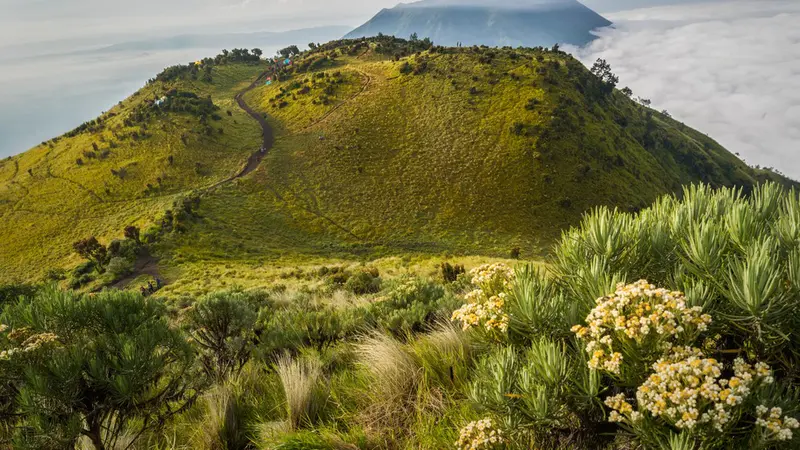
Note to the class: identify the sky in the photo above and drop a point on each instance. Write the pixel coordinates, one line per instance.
(730, 69)
(732, 72)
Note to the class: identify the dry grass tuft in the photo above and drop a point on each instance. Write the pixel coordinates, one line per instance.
(303, 388)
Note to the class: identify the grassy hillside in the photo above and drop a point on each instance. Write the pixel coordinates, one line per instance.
(121, 169)
(474, 150)
(382, 147)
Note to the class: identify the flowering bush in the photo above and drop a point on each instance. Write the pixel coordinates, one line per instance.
(686, 391)
(638, 322)
(480, 435)
(485, 305)
(773, 425)
(23, 340)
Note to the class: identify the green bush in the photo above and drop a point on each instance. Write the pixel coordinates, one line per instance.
(222, 326)
(11, 293)
(118, 267)
(100, 367)
(450, 272)
(364, 282)
(699, 356)
(79, 281)
(299, 325)
(83, 268)
(124, 248)
(410, 304)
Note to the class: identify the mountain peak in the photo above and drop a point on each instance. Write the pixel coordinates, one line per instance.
(528, 23)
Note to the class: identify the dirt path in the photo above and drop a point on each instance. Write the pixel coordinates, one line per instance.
(147, 264)
(266, 131)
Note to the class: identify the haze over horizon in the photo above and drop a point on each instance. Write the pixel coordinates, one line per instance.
(46, 89)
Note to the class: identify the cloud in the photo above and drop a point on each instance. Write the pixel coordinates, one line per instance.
(731, 72)
(30, 21)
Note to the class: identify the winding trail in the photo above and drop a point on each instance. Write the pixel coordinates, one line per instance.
(268, 138)
(146, 264)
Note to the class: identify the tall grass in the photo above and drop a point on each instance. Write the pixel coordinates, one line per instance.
(223, 427)
(446, 355)
(303, 388)
(394, 370)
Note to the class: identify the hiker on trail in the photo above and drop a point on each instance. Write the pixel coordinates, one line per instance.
(159, 283)
(143, 291)
(150, 287)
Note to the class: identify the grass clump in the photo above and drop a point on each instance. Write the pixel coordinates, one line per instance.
(304, 389)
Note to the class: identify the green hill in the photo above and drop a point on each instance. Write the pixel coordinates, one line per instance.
(382, 147)
(122, 168)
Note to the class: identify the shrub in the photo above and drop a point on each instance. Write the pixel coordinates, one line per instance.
(55, 274)
(118, 267)
(700, 356)
(12, 292)
(363, 282)
(92, 250)
(99, 366)
(76, 282)
(132, 232)
(409, 304)
(222, 327)
(83, 268)
(450, 273)
(301, 325)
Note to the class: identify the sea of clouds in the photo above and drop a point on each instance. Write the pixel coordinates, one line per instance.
(729, 69)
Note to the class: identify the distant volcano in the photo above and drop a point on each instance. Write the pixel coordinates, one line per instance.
(494, 23)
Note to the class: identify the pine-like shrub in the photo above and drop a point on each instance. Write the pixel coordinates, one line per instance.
(105, 367)
(671, 328)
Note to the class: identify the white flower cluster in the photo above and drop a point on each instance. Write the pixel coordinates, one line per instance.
(484, 306)
(492, 278)
(637, 313)
(480, 435)
(686, 390)
(5, 355)
(30, 344)
(36, 341)
(488, 313)
(777, 426)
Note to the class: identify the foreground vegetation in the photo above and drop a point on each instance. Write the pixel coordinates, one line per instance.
(581, 353)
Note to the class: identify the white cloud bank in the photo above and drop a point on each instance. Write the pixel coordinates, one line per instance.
(731, 70)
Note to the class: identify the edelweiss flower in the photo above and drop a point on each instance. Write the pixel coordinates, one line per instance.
(479, 435)
(686, 391)
(777, 427)
(639, 314)
(485, 305)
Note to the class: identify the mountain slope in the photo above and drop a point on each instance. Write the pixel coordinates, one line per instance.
(125, 168)
(496, 24)
(382, 147)
(475, 151)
